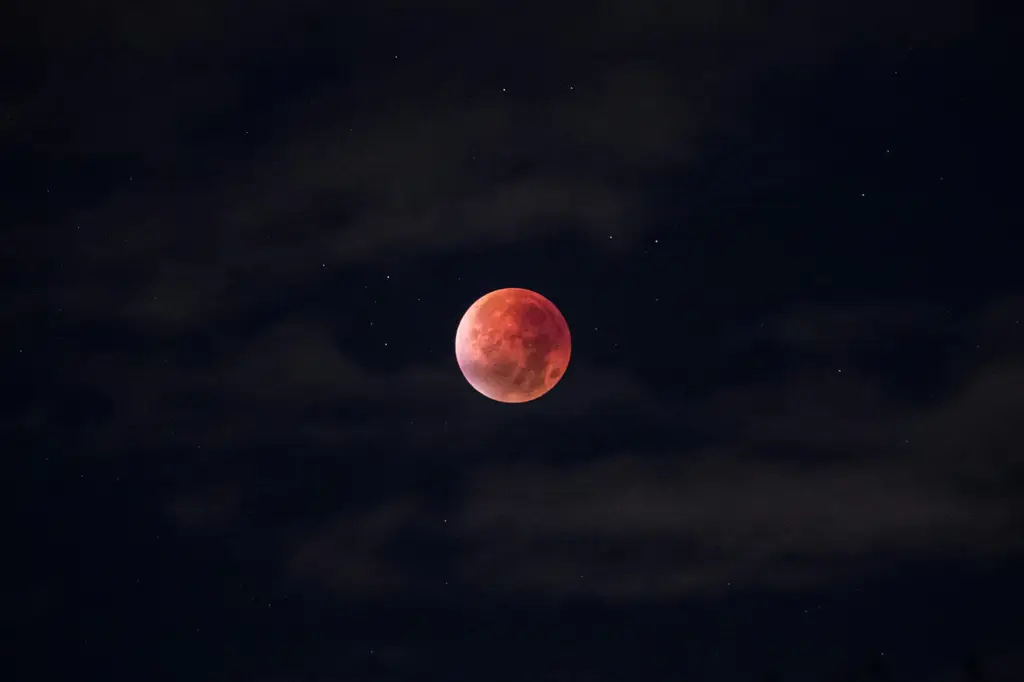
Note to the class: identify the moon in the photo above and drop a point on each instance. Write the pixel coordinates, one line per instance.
(513, 345)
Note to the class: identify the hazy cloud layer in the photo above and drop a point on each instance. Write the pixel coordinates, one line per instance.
(384, 171)
(243, 235)
(165, 246)
(797, 481)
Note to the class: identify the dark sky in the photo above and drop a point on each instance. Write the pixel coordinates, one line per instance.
(239, 237)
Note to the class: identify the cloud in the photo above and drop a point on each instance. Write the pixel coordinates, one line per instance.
(797, 482)
(289, 386)
(358, 554)
(416, 158)
(649, 527)
(292, 384)
(353, 551)
(994, 662)
(384, 170)
(776, 481)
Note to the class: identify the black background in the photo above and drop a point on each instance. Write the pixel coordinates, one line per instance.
(241, 237)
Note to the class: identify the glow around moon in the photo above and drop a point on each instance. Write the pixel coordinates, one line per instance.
(513, 345)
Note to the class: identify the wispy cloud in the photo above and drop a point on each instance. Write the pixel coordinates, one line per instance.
(798, 481)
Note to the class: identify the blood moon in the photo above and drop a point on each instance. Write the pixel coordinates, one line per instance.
(513, 345)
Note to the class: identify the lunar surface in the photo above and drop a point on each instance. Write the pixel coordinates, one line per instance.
(513, 345)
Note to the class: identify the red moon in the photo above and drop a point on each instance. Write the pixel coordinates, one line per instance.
(513, 345)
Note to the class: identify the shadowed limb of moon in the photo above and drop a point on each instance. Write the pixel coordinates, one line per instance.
(513, 345)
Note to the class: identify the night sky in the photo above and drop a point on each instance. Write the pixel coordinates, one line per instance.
(239, 238)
